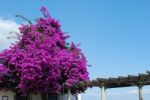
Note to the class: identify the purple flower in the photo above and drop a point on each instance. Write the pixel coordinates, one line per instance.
(42, 61)
(45, 12)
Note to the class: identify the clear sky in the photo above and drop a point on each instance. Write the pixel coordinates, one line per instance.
(114, 35)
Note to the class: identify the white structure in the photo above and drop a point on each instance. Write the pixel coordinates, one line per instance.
(7, 95)
(36, 97)
(140, 92)
(103, 94)
(10, 95)
(71, 97)
(79, 97)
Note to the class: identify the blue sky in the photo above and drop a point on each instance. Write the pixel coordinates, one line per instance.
(114, 35)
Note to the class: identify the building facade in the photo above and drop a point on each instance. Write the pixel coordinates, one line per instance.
(10, 95)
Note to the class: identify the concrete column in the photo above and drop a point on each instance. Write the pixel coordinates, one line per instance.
(69, 95)
(140, 92)
(79, 97)
(103, 94)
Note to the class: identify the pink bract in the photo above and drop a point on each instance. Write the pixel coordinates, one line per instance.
(42, 61)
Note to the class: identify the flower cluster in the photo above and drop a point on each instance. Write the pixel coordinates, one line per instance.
(42, 61)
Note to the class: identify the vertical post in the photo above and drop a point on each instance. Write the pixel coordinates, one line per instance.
(69, 95)
(103, 94)
(140, 92)
(78, 96)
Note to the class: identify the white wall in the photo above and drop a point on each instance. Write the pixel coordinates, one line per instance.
(10, 95)
(36, 97)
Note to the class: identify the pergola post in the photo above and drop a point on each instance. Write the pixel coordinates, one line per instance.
(69, 95)
(140, 92)
(78, 96)
(103, 94)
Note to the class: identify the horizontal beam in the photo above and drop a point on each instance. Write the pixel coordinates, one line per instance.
(121, 81)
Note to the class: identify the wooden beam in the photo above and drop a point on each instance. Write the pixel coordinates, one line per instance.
(121, 81)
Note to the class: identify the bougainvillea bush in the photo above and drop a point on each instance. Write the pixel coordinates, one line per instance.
(41, 61)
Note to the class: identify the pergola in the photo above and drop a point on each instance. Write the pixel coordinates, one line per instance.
(118, 82)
